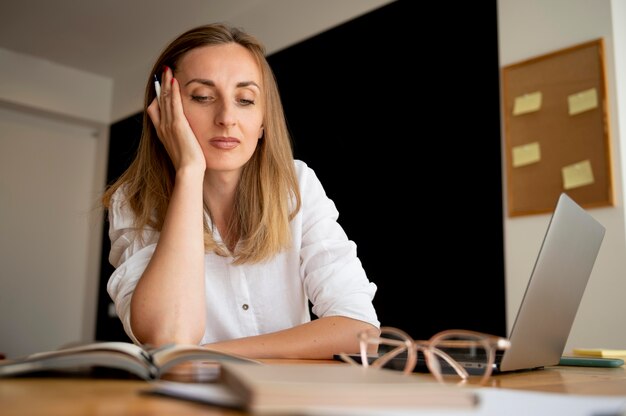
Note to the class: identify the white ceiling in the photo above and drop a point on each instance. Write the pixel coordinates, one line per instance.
(110, 37)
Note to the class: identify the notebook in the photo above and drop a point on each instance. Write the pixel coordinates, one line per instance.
(555, 289)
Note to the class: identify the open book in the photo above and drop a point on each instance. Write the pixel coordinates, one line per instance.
(302, 388)
(148, 364)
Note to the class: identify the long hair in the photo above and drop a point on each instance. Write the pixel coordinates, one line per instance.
(267, 196)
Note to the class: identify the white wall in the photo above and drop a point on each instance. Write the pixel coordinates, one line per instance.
(43, 85)
(53, 156)
(618, 17)
(535, 27)
(47, 179)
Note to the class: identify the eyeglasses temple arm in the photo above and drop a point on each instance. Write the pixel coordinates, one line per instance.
(462, 372)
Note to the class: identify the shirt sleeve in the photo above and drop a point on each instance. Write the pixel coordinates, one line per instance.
(131, 251)
(334, 278)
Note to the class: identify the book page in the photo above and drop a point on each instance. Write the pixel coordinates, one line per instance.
(200, 364)
(205, 361)
(114, 355)
(123, 347)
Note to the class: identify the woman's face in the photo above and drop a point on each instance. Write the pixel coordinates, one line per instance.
(222, 100)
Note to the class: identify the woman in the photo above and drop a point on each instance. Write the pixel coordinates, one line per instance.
(218, 235)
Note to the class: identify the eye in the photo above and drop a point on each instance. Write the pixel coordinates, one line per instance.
(201, 98)
(245, 102)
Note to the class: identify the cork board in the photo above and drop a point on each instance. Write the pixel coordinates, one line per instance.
(557, 130)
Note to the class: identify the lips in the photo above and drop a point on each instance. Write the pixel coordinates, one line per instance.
(224, 142)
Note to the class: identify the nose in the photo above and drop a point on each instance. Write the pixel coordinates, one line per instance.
(225, 116)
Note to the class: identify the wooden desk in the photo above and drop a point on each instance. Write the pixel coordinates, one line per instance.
(102, 397)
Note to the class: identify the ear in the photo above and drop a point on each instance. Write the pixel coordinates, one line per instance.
(261, 132)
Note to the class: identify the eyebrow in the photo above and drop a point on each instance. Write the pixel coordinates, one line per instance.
(210, 83)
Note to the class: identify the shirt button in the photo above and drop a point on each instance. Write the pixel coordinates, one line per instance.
(245, 306)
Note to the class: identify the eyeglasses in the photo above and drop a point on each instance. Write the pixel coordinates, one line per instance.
(443, 352)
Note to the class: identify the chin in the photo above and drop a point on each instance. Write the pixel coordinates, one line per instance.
(226, 162)
(223, 166)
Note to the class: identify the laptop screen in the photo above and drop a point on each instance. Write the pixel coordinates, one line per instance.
(555, 288)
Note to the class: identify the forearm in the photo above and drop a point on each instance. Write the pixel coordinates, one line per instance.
(168, 304)
(318, 339)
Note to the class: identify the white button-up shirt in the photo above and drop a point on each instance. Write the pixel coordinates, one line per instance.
(245, 300)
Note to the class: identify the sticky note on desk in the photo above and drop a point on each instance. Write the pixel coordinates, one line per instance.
(600, 352)
(582, 101)
(577, 175)
(526, 154)
(527, 103)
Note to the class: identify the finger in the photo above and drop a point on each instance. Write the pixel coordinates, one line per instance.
(176, 102)
(165, 102)
(166, 81)
(154, 113)
(179, 123)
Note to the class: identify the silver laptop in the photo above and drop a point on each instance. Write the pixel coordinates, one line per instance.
(555, 288)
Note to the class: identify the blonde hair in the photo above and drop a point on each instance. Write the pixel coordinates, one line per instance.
(267, 197)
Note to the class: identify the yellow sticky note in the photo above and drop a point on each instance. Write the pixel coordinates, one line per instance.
(577, 175)
(582, 101)
(527, 103)
(600, 352)
(526, 154)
